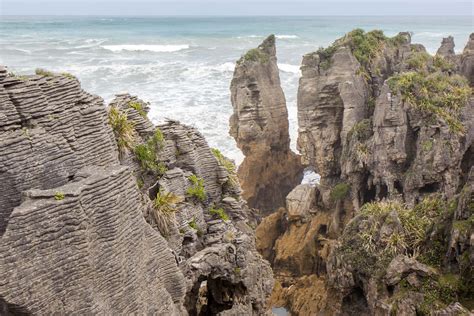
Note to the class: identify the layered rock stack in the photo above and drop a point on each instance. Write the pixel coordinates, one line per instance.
(260, 127)
(103, 213)
(378, 122)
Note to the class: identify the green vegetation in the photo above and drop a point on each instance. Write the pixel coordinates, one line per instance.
(431, 90)
(369, 252)
(146, 153)
(340, 191)
(427, 145)
(197, 188)
(58, 196)
(137, 106)
(164, 210)
(256, 55)
(361, 130)
(43, 72)
(124, 130)
(365, 46)
(219, 212)
(227, 164)
(193, 224)
(68, 75)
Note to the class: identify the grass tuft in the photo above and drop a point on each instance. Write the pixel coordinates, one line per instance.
(197, 188)
(124, 130)
(164, 210)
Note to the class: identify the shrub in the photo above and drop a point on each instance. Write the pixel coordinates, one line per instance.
(219, 212)
(164, 210)
(361, 130)
(427, 145)
(137, 106)
(197, 188)
(419, 61)
(146, 153)
(43, 72)
(68, 75)
(434, 93)
(58, 196)
(227, 164)
(124, 130)
(255, 55)
(339, 191)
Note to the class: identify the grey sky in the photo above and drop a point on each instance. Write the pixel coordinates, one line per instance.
(236, 7)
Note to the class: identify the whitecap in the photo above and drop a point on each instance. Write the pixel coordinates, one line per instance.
(283, 36)
(294, 69)
(250, 36)
(151, 48)
(226, 67)
(430, 34)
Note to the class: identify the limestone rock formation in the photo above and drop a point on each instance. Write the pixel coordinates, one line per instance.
(260, 127)
(447, 47)
(387, 229)
(103, 213)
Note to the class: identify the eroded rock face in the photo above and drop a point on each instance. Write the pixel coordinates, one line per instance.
(260, 127)
(447, 47)
(467, 60)
(64, 262)
(380, 157)
(159, 229)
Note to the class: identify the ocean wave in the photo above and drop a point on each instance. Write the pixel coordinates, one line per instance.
(283, 36)
(150, 48)
(430, 34)
(225, 67)
(294, 69)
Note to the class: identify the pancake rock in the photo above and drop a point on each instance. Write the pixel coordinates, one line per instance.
(104, 213)
(259, 124)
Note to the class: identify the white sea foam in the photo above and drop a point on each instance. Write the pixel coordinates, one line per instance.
(226, 67)
(150, 48)
(294, 69)
(430, 34)
(283, 36)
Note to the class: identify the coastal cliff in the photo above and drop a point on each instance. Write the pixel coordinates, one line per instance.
(104, 213)
(388, 230)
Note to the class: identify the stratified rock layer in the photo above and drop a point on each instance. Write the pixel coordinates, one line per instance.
(86, 230)
(260, 126)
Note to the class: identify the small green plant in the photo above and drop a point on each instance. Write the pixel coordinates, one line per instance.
(436, 93)
(140, 183)
(164, 210)
(237, 270)
(193, 224)
(68, 75)
(361, 130)
(255, 55)
(58, 196)
(146, 153)
(197, 188)
(124, 130)
(419, 61)
(43, 72)
(227, 164)
(340, 191)
(219, 212)
(137, 106)
(427, 145)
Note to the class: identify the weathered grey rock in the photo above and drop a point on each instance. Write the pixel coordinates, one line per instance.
(467, 60)
(57, 129)
(91, 252)
(402, 266)
(259, 125)
(300, 201)
(447, 47)
(454, 309)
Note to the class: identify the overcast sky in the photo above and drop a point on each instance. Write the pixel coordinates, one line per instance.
(236, 7)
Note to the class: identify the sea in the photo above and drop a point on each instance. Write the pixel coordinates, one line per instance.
(183, 65)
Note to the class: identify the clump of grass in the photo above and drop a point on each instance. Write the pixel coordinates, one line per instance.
(137, 106)
(146, 153)
(361, 130)
(124, 130)
(196, 189)
(164, 210)
(340, 191)
(427, 145)
(193, 224)
(419, 61)
(58, 196)
(219, 212)
(44, 72)
(255, 55)
(227, 164)
(68, 75)
(435, 93)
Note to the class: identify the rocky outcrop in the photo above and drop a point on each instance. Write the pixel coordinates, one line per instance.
(447, 47)
(467, 60)
(103, 213)
(392, 161)
(260, 127)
